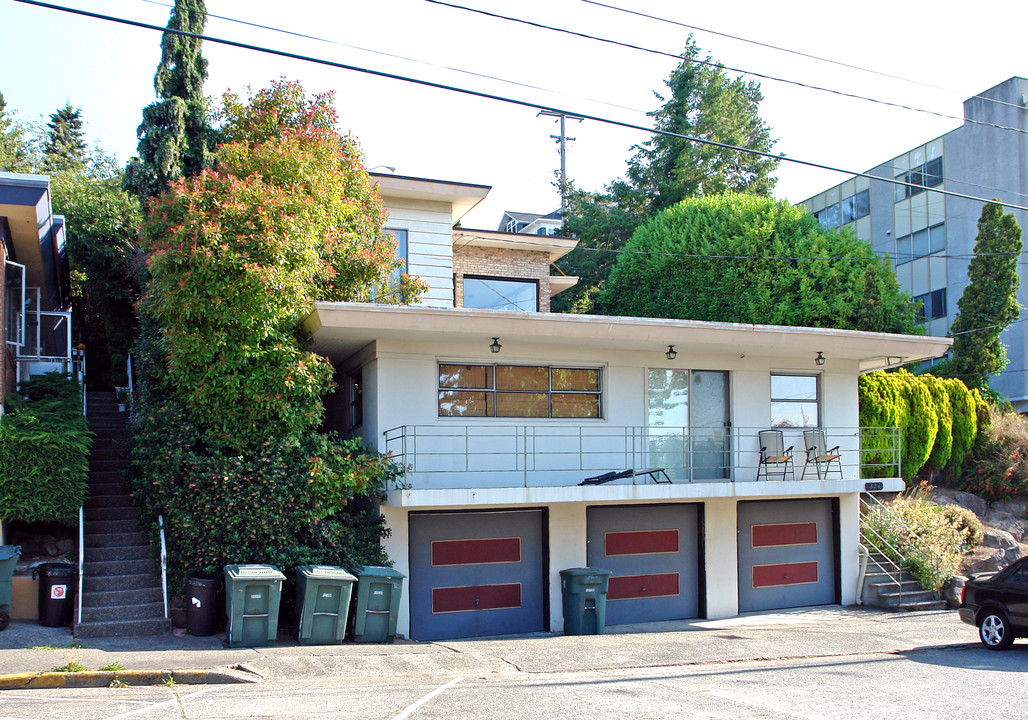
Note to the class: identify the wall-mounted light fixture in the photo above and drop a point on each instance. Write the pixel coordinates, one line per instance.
(495, 347)
(820, 359)
(671, 354)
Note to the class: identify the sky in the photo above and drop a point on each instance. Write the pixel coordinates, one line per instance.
(921, 55)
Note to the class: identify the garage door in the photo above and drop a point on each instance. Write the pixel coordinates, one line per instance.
(477, 573)
(653, 552)
(787, 554)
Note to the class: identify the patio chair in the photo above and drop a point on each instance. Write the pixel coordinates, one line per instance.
(773, 453)
(820, 455)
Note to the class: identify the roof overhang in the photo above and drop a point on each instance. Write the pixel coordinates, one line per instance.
(462, 197)
(341, 329)
(36, 236)
(555, 245)
(560, 283)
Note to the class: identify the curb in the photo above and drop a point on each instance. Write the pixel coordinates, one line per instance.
(103, 678)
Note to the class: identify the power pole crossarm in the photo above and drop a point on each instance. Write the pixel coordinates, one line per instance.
(562, 141)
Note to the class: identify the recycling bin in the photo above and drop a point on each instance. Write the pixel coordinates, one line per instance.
(9, 555)
(203, 611)
(57, 587)
(378, 604)
(584, 592)
(322, 603)
(252, 597)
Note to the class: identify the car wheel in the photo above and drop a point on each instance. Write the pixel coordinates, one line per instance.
(994, 630)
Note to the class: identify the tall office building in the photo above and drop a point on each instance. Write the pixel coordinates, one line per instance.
(930, 236)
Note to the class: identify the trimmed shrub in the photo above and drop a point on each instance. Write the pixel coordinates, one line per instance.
(44, 452)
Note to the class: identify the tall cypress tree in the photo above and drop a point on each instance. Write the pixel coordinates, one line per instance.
(989, 302)
(64, 146)
(175, 137)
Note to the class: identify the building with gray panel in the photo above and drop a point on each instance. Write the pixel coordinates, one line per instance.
(930, 236)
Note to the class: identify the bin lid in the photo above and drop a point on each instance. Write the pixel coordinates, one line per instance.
(57, 569)
(253, 572)
(9, 551)
(377, 571)
(329, 572)
(577, 572)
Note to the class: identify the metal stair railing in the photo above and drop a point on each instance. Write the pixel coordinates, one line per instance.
(892, 570)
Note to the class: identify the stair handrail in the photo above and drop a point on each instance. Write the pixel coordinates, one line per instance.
(896, 573)
(932, 552)
(164, 565)
(82, 557)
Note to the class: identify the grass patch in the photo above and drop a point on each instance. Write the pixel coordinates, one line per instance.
(116, 683)
(73, 645)
(113, 666)
(72, 666)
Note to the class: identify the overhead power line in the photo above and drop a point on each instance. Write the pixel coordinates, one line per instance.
(763, 76)
(502, 99)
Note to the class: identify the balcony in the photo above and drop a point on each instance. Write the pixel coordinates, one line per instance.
(479, 457)
(46, 344)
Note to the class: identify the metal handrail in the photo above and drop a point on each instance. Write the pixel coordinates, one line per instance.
(896, 573)
(164, 565)
(937, 559)
(82, 557)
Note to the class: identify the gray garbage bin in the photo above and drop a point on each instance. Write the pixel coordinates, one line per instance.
(9, 555)
(322, 603)
(252, 597)
(584, 592)
(378, 603)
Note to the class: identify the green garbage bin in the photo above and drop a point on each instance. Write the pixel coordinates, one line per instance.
(252, 597)
(584, 592)
(9, 555)
(378, 603)
(322, 603)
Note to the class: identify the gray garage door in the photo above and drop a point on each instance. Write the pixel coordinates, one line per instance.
(653, 551)
(476, 573)
(787, 554)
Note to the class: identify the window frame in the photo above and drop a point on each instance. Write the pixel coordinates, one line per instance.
(817, 401)
(501, 278)
(492, 390)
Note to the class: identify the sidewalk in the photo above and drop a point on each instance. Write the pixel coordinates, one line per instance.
(26, 647)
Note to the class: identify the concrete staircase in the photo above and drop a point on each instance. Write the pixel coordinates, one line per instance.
(881, 590)
(121, 587)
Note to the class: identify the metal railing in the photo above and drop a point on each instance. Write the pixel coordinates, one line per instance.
(82, 558)
(164, 565)
(484, 455)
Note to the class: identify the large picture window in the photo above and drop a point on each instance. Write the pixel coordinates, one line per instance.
(795, 400)
(488, 293)
(529, 391)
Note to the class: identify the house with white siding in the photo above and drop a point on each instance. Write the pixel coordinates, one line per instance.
(534, 442)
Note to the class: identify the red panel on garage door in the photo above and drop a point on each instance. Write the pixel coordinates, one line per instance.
(784, 534)
(624, 587)
(784, 574)
(478, 551)
(476, 597)
(641, 542)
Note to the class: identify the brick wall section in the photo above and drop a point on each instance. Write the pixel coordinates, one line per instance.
(501, 263)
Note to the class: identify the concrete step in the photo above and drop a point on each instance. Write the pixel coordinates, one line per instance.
(111, 598)
(100, 489)
(123, 628)
(123, 512)
(906, 599)
(100, 568)
(923, 606)
(118, 583)
(110, 442)
(98, 466)
(115, 613)
(114, 539)
(109, 502)
(107, 453)
(105, 527)
(110, 554)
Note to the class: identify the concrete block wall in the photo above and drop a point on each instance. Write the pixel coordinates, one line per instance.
(502, 263)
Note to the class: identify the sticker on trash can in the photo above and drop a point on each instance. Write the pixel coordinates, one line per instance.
(377, 592)
(196, 601)
(57, 592)
(256, 597)
(328, 594)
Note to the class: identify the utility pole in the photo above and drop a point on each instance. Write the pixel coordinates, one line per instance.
(562, 140)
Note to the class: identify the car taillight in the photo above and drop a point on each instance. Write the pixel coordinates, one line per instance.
(963, 591)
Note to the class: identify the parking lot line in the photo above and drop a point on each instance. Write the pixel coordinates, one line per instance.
(173, 701)
(411, 708)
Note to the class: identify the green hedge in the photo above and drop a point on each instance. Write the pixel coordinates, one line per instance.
(44, 452)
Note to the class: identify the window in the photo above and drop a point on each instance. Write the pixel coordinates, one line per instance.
(795, 400)
(512, 226)
(355, 385)
(856, 206)
(688, 423)
(533, 391)
(921, 243)
(500, 294)
(930, 306)
(401, 252)
(928, 174)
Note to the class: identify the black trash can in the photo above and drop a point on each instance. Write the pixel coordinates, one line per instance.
(57, 588)
(204, 603)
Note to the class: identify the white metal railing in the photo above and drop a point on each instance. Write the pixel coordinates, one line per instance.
(484, 455)
(82, 558)
(870, 504)
(164, 565)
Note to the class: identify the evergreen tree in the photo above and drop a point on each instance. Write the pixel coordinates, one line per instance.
(175, 137)
(15, 147)
(64, 145)
(989, 303)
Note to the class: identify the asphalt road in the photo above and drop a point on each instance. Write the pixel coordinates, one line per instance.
(957, 681)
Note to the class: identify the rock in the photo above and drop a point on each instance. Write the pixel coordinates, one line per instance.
(1000, 539)
(972, 502)
(952, 590)
(1008, 523)
(944, 500)
(65, 546)
(50, 547)
(986, 565)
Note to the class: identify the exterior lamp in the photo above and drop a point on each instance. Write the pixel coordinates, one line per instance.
(671, 354)
(495, 347)
(820, 359)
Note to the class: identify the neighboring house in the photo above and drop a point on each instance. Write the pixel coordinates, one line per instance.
(531, 223)
(35, 294)
(930, 237)
(499, 415)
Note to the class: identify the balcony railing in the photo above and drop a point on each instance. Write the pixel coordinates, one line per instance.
(46, 345)
(494, 456)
